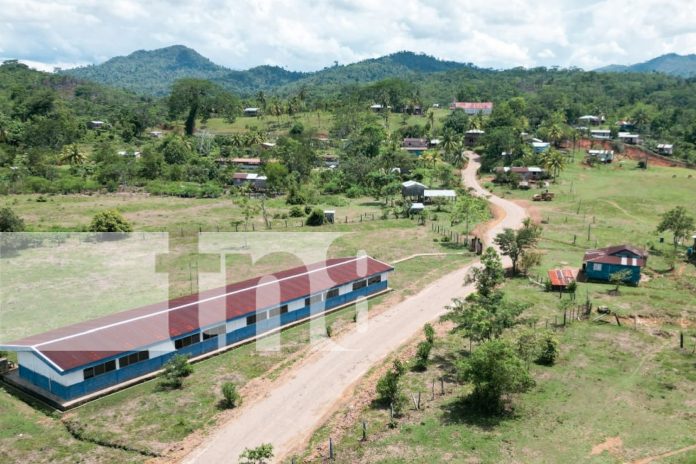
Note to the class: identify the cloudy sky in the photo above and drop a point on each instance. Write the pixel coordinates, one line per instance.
(311, 34)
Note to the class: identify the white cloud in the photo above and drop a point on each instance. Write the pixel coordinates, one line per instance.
(311, 34)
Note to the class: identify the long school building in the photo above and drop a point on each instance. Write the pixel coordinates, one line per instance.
(83, 359)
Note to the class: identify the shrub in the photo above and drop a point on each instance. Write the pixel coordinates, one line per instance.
(10, 222)
(329, 330)
(175, 370)
(422, 355)
(389, 387)
(429, 333)
(354, 191)
(230, 396)
(548, 350)
(296, 211)
(307, 209)
(259, 455)
(109, 221)
(316, 217)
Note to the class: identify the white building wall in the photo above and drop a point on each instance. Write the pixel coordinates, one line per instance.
(34, 363)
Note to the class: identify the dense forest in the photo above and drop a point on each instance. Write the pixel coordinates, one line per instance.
(49, 145)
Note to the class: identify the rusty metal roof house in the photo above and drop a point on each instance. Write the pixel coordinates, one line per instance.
(601, 263)
(69, 364)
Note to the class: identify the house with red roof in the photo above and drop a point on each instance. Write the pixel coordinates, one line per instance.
(601, 263)
(68, 365)
(473, 108)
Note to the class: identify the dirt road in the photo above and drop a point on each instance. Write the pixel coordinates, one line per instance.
(299, 402)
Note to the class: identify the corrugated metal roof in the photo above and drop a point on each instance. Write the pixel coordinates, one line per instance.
(561, 277)
(608, 256)
(90, 341)
(472, 105)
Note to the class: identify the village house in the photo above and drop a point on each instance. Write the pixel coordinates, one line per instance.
(602, 263)
(95, 124)
(473, 108)
(256, 181)
(527, 174)
(413, 189)
(602, 156)
(415, 146)
(376, 108)
(589, 120)
(251, 112)
(472, 136)
(625, 125)
(600, 134)
(539, 146)
(247, 164)
(665, 148)
(430, 195)
(627, 137)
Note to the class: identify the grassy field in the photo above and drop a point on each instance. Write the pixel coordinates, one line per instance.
(616, 395)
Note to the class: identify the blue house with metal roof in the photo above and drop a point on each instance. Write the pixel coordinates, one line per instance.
(602, 263)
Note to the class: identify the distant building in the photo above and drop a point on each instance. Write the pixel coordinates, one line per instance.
(432, 194)
(472, 136)
(413, 189)
(247, 164)
(377, 108)
(602, 263)
(95, 124)
(600, 134)
(665, 148)
(625, 125)
(256, 181)
(561, 278)
(603, 156)
(527, 174)
(473, 108)
(250, 112)
(589, 119)
(156, 134)
(268, 145)
(539, 146)
(415, 146)
(628, 137)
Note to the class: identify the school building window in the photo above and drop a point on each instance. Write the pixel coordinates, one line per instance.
(333, 293)
(133, 358)
(99, 369)
(359, 284)
(278, 311)
(214, 332)
(187, 341)
(374, 280)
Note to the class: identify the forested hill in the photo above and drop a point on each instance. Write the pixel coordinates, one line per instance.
(672, 63)
(153, 72)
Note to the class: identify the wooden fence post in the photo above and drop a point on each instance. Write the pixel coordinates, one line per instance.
(364, 431)
(331, 449)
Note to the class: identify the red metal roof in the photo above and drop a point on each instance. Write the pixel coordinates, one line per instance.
(561, 277)
(609, 256)
(86, 342)
(472, 105)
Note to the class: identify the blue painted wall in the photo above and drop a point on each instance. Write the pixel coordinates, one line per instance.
(132, 371)
(607, 270)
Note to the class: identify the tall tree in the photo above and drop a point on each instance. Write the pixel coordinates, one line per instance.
(199, 98)
(515, 243)
(678, 222)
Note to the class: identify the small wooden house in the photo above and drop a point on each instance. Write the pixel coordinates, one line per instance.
(251, 112)
(415, 146)
(628, 137)
(473, 108)
(602, 156)
(665, 149)
(472, 136)
(601, 263)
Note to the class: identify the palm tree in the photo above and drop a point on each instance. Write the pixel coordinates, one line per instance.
(431, 156)
(72, 155)
(431, 120)
(449, 140)
(555, 134)
(456, 157)
(554, 162)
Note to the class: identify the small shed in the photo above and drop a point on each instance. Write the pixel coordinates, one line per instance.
(589, 119)
(412, 189)
(601, 263)
(415, 146)
(377, 108)
(330, 216)
(416, 208)
(561, 278)
(95, 124)
(539, 146)
(250, 112)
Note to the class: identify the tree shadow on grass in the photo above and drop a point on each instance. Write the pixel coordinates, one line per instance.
(464, 411)
(376, 204)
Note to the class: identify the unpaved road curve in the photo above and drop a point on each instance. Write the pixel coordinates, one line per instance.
(298, 403)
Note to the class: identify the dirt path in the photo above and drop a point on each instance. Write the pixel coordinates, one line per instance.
(297, 403)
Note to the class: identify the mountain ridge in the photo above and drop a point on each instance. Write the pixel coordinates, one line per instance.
(152, 72)
(670, 63)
